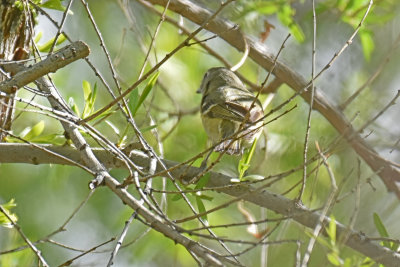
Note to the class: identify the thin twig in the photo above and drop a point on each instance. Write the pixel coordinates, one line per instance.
(308, 126)
(24, 237)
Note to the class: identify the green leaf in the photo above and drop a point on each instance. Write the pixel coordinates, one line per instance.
(94, 95)
(331, 230)
(38, 37)
(4, 221)
(55, 139)
(367, 43)
(148, 128)
(176, 197)
(123, 137)
(104, 115)
(53, 4)
(35, 131)
(266, 8)
(381, 229)
(348, 263)
(73, 106)
(133, 100)
(201, 208)
(334, 259)
(285, 15)
(90, 97)
(244, 163)
(87, 90)
(137, 101)
(46, 46)
(297, 32)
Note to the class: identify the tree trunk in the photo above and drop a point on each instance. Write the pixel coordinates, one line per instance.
(15, 35)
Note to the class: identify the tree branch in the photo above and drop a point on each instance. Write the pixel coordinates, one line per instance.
(53, 62)
(23, 153)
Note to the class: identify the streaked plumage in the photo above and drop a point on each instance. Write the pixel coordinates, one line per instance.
(224, 107)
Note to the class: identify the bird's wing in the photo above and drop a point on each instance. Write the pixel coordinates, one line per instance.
(232, 103)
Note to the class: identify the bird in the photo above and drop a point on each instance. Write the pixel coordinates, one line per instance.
(230, 113)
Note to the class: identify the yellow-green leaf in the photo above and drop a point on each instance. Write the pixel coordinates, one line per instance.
(35, 131)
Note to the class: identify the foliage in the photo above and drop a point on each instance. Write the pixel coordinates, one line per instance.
(4, 221)
(165, 110)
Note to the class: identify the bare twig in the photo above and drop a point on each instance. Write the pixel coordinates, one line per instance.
(308, 126)
(121, 238)
(24, 237)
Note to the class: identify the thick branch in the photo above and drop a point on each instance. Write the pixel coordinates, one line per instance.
(53, 62)
(226, 30)
(22, 153)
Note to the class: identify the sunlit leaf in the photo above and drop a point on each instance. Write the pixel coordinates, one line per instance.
(46, 46)
(244, 163)
(334, 259)
(331, 230)
(93, 95)
(87, 89)
(54, 139)
(53, 4)
(35, 131)
(90, 97)
(367, 43)
(297, 32)
(38, 37)
(4, 221)
(73, 106)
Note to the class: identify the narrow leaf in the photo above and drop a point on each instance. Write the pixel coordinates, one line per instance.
(201, 208)
(133, 100)
(145, 129)
(73, 106)
(332, 231)
(47, 45)
(145, 93)
(35, 131)
(244, 163)
(87, 90)
(381, 229)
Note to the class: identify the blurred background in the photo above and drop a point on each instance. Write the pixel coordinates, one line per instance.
(47, 194)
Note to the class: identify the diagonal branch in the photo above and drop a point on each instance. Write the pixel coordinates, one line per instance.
(52, 63)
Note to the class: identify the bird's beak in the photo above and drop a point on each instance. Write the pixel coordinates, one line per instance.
(198, 91)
